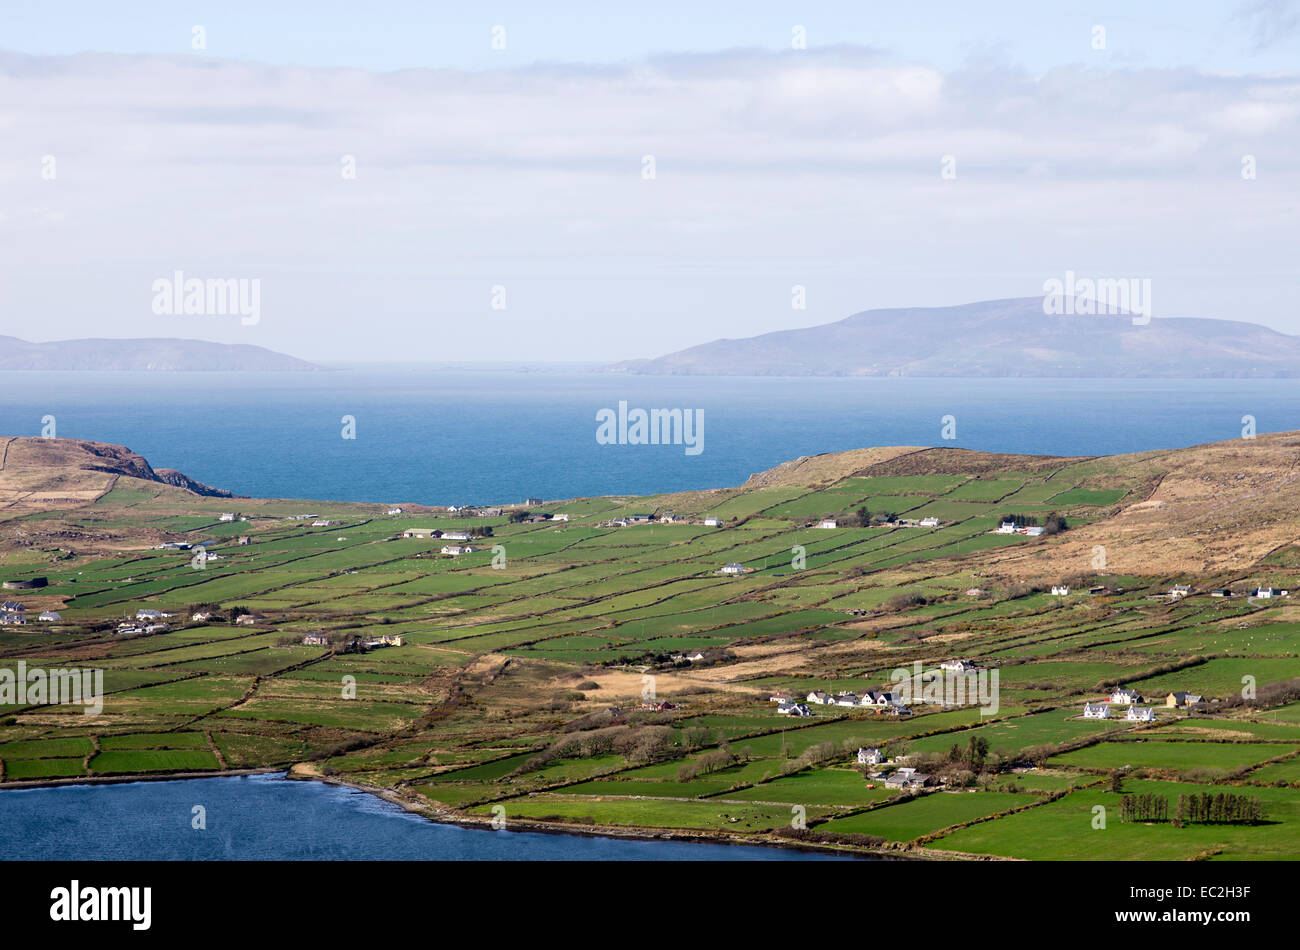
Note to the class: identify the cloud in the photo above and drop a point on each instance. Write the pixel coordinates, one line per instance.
(769, 167)
(1270, 21)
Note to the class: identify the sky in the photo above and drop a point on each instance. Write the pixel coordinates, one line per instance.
(519, 181)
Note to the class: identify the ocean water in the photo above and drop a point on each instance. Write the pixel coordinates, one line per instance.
(267, 817)
(439, 436)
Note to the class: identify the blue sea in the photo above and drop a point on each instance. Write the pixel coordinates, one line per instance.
(439, 435)
(268, 817)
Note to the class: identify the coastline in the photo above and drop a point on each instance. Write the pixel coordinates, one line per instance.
(431, 813)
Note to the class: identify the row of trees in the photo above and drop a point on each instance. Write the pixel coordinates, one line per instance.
(1197, 809)
(1223, 808)
(1149, 807)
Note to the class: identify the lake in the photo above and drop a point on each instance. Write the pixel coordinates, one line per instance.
(268, 817)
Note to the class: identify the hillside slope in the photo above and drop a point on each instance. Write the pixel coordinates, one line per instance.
(145, 355)
(995, 338)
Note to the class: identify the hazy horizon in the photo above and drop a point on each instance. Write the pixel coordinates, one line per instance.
(545, 186)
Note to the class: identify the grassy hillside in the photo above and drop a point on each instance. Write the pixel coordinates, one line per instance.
(518, 689)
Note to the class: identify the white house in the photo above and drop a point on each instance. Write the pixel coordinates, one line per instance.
(710, 522)
(847, 699)
(872, 756)
(201, 615)
(1007, 527)
(820, 698)
(49, 616)
(1125, 697)
(732, 568)
(227, 516)
(315, 640)
(456, 536)
(1179, 590)
(793, 709)
(394, 511)
(1096, 711)
(457, 549)
(1060, 591)
(929, 522)
(562, 516)
(828, 523)
(150, 614)
(1140, 714)
(322, 523)
(958, 666)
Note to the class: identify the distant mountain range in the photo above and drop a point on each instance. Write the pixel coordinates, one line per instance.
(994, 338)
(159, 355)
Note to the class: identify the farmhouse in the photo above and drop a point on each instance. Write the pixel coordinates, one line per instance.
(201, 615)
(828, 523)
(384, 640)
(1220, 592)
(1140, 714)
(794, 709)
(150, 615)
(1179, 590)
(1060, 591)
(562, 516)
(49, 616)
(710, 522)
(322, 523)
(1181, 700)
(871, 756)
(227, 516)
(958, 666)
(1096, 711)
(820, 698)
(929, 522)
(908, 778)
(394, 511)
(847, 699)
(457, 549)
(456, 535)
(732, 568)
(1006, 527)
(243, 539)
(1125, 697)
(315, 640)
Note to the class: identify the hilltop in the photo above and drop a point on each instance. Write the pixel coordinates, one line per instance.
(994, 338)
(44, 474)
(159, 355)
